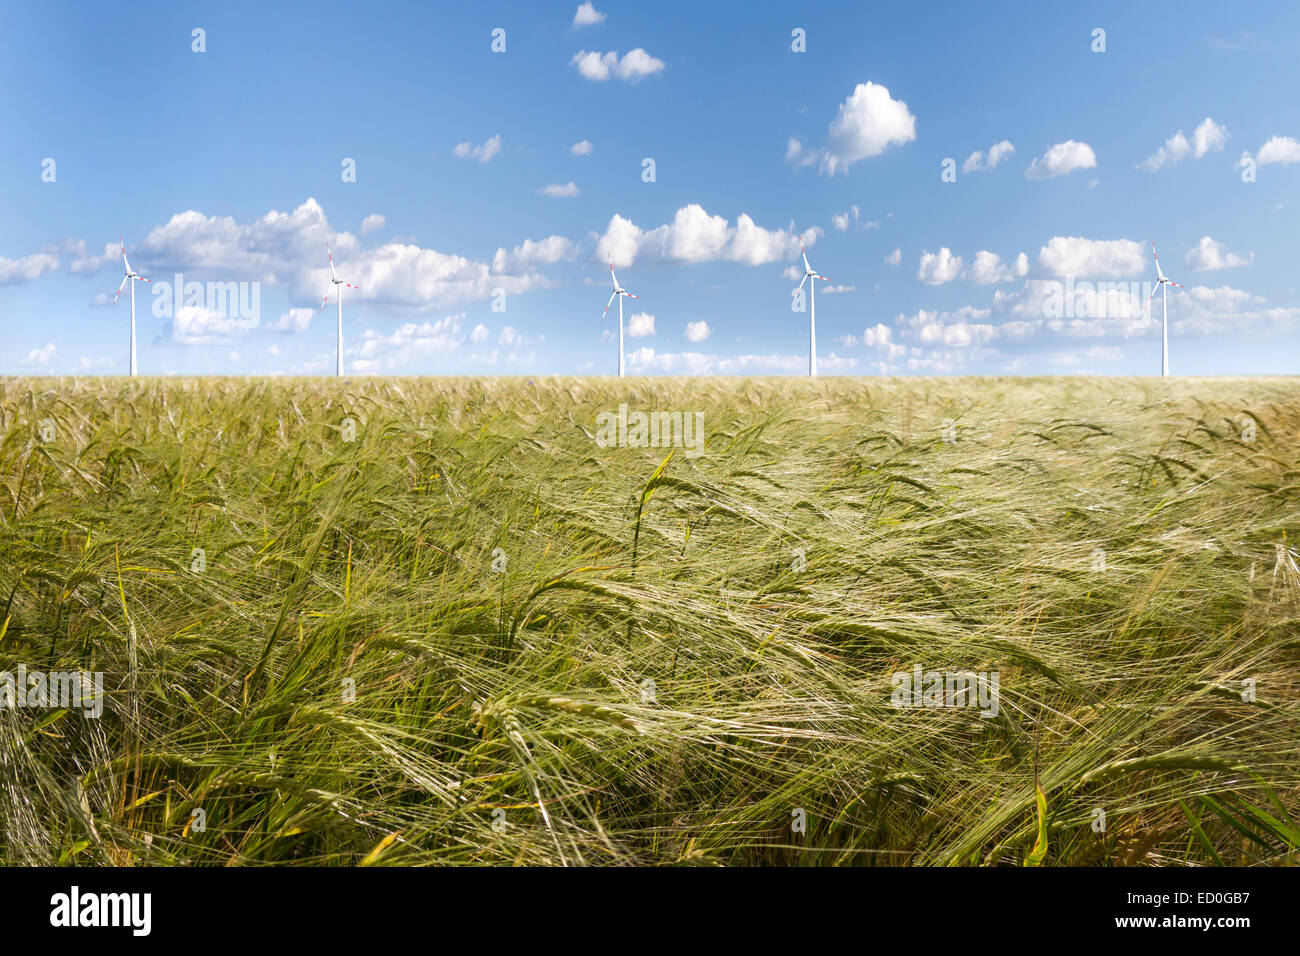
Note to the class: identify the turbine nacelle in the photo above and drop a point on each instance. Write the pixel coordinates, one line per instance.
(129, 272)
(618, 290)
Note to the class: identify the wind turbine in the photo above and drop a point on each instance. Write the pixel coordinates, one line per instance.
(1163, 283)
(338, 299)
(812, 313)
(130, 275)
(619, 291)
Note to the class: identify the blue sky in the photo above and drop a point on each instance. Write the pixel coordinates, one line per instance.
(227, 166)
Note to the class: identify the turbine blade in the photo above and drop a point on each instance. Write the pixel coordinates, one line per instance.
(143, 279)
(802, 281)
(323, 301)
(1174, 284)
(1153, 292)
(119, 289)
(631, 296)
(607, 305)
(823, 278)
(333, 274)
(124, 262)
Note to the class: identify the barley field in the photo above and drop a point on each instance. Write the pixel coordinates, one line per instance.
(437, 621)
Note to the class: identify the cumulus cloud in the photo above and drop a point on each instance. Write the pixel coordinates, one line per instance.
(587, 15)
(641, 325)
(697, 331)
(479, 334)
(633, 66)
(372, 222)
(410, 341)
(976, 162)
(15, 271)
(1208, 255)
(869, 121)
(1061, 159)
(529, 254)
(987, 268)
(1279, 149)
(483, 152)
(295, 320)
(695, 236)
(556, 191)
(288, 249)
(41, 356)
(199, 325)
(894, 258)
(1208, 136)
(646, 359)
(936, 268)
(1099, 258)
(880, 337)
(581, 148)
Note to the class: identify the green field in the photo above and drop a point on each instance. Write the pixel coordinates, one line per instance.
(437, 621)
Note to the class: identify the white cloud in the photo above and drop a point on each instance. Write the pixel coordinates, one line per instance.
(1207, 255)
(1097, 353)
(1061, 159)
(869, 122)
(997, 152)
(838, 289)
(41, 356)
(408, 343)
(556, 191)
(199, 325)
(14, 271)
(483, 152)
(699, 363)
(509, 337)
(288, 249)
(372, 222)
(1021, 267)
(640, 325)
(295, 320)
(634, 65)
(694, 236)
(938, 268)
(878, 337)
(987, 268)
(840, 221)
(1207, 136)
(529, 254)
(88, 265)
(1098, 258)
(1279, 149)
(581, 148)
(479, 334)
(587, 15)
(894, 258)
(697, 331)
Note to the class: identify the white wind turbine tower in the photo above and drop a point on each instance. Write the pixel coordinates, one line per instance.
(338, 299)
(618, 292)
(812, 312)
(130, 276)
(1163, 283)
